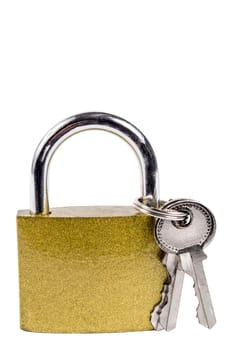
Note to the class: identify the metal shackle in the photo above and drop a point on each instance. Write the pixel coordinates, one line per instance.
(91, 121)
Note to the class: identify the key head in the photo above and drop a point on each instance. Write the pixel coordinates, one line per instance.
(196, 231)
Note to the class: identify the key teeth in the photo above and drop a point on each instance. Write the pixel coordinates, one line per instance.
(200, 314)
(158, 309)
(198, 311)
(155, 315)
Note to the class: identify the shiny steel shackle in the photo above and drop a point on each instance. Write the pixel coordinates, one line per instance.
(91, 121)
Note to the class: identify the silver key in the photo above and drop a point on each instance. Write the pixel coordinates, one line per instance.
(186, 240)
(192, 264)
(161, 317)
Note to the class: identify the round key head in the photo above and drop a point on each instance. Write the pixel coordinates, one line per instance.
(196, 231)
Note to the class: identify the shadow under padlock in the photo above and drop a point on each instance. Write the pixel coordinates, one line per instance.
(88, 269)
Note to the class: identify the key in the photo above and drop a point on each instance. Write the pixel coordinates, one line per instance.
(161, 317)
(186, 240)
(170, 261)
(192, 265)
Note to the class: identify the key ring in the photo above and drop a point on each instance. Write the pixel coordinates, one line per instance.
(142, 205)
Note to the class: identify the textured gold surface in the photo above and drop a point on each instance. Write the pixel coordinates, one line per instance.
(88, 270)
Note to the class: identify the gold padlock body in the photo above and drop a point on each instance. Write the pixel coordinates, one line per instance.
(88, 269)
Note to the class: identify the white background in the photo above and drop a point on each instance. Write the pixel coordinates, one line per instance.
(159, 64)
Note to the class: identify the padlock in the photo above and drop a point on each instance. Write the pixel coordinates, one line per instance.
(88, 269)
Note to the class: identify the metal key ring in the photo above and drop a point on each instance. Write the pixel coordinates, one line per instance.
(141, 204)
